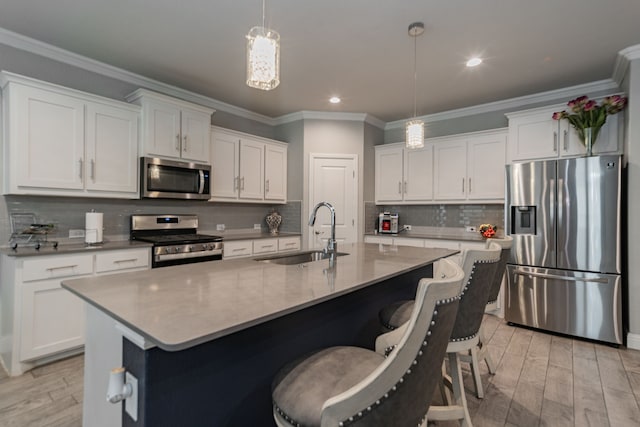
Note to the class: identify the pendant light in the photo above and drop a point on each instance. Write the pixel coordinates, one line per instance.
(263, 56)
(414, 129)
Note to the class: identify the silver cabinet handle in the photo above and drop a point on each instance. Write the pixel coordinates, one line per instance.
(290, 244)
(564, 138)
(462, 185)
(235, 182)
(242, 183)
(405, 187)
(178, 142)
(239, 250)
(266, 246)
(62, 267)
(267, 186)
(469, 185)
(81, 163)
(184, 145)
(93, 170)
(399, 187)
(555, 141)
(118, 261)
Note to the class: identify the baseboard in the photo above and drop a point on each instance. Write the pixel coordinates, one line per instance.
(633, 341)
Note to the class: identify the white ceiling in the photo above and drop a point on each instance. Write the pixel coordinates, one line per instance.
(356, 49)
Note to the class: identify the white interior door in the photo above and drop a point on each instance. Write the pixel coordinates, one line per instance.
(334, 179)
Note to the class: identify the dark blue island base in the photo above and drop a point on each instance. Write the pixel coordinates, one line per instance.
(227, 381)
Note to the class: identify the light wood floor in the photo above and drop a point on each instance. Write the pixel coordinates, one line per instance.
(541, 380)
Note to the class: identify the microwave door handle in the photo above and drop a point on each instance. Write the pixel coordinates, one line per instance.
(201, 174)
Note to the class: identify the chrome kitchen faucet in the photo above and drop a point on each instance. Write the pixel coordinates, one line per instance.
(332, 245)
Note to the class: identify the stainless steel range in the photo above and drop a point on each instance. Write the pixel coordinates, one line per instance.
(175, 239)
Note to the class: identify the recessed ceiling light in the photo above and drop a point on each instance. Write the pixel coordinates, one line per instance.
(335, 100)
(474, 62)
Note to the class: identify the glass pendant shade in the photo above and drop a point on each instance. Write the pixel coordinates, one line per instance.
(415, 134)
(263, 58)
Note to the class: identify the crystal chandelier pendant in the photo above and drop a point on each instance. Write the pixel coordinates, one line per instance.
(414, 134)
(263, 58)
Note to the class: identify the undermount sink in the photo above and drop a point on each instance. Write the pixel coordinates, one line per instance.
(299, 257)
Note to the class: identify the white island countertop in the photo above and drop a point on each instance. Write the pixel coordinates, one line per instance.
(182, 306)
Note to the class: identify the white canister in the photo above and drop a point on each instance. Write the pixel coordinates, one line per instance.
(93, 227)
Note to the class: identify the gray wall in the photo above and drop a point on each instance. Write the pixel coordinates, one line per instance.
(631, 85)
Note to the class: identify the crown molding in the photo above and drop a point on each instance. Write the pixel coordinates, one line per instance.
(46, 50)
(514, 103)
(622, 62)
(329, 115)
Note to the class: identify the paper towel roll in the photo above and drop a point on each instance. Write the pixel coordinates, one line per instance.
(93, 227)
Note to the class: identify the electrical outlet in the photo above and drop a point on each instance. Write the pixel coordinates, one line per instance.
(256, 226)
(407, 227)
(76, 234)
(131, 404)
(219, 227)
(471, 229)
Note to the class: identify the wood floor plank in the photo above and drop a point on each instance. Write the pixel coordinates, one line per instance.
(561, 352)
(613, 374)
(557, 404)
(622, 408)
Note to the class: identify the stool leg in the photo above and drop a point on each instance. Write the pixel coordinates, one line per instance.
(458, 388)
(484, 351)
(475, 372)
(444, 390)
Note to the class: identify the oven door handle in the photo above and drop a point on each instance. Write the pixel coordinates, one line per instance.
(201, 189)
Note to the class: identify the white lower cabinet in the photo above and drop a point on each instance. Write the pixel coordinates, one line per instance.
(42, 321)
(246, 248)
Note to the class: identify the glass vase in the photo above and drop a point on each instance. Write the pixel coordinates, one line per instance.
(588, 139)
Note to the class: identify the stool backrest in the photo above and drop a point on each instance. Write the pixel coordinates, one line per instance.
(479, 266)
(505, 243)
(399, 391)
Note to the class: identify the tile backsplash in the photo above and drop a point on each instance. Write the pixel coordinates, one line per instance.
(69, 213)
(454, 216)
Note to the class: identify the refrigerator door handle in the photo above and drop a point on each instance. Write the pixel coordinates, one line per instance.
(565, 278)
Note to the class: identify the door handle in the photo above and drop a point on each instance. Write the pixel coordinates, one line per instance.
(462, 185)
(555, 141)
(565, 278)
(469, 185)
(80, 162)
(178, 142)
(564, 142)
(184, 145)
(267, 186)
(201, 186)
(242, 183)
(399, 187)
(93, 170)
(405, 187)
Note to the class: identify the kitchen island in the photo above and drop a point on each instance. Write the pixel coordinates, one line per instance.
(205, 340)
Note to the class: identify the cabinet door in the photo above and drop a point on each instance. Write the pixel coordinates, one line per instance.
(112, 150)
(388, 174)
(450, 170)
(251, 170)
(162, 129)
(195, 128)
(46, 134)
(52, 319)
(275, 173)
(606, 142)
(418, 174)
(225, 162)
(534, 136)
(485, 167)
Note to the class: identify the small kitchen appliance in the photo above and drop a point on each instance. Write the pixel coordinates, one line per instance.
(175, 239)
(388, 223)
(564, 274)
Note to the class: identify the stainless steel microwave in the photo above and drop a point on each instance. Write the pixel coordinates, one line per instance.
(171, 179)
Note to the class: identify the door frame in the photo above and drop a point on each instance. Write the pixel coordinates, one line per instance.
(307, 237)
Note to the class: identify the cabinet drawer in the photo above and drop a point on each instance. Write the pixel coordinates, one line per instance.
(238, 248)
(122, 260)
(264, 246)
(379, 239)
(408, 241)
(288, 244)
(57, 266)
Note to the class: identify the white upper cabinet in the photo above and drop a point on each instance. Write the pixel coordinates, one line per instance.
(453, 169)
(470, 167)
(247, 168)
(533, 134)
(64, 142)
(402, 174)
(173, 128)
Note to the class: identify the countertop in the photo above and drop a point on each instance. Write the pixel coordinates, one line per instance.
(182, 306)
(23, 251)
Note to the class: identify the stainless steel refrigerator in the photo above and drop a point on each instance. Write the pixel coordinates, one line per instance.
(565, 266)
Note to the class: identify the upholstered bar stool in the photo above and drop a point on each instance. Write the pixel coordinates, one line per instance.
(481, 353)
(352, 386)
(479, 266)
